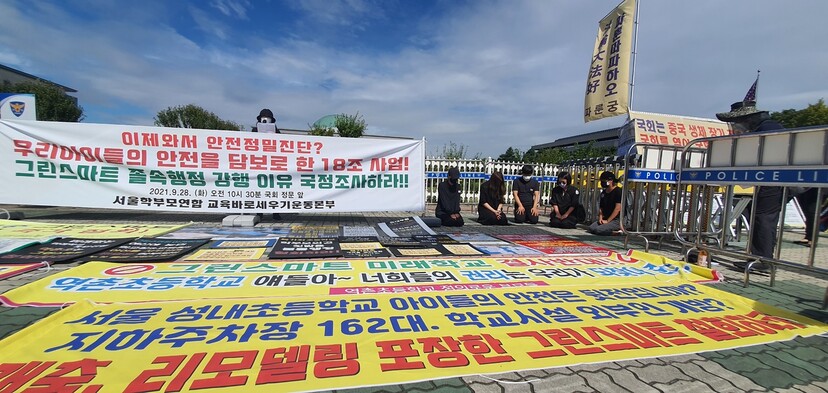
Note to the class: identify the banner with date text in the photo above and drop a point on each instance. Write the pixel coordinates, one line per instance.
(178, 169)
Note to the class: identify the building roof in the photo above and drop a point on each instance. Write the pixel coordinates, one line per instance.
(606, 137)
(30, 76)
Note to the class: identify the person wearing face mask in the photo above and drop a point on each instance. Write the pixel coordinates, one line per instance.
(266, 117)
(526, 192)
(492, 197)
(566, 206)
(609, 207)
(448, 200)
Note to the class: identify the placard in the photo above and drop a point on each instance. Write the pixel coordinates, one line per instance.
(60, 250)
(147, 250)
(292, 247)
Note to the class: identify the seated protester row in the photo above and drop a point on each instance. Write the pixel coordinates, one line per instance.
(609, 207)
(448, 200)
(492, 198)
(526, 192)
(567, 211)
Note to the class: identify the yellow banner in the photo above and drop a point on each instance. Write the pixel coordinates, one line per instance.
(608, 90)
(30, 229)
(139, 282)
(303, 344)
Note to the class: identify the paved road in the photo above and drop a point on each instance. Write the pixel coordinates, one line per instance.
(799, 365)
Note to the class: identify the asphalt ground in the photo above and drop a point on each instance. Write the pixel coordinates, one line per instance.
(799, 365)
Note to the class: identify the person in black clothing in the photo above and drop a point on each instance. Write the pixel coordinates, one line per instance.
(448, 200)
(492, 197)
(809, 205)
(526, 192)
(768, 204)
(566, 205)
(609, 207)
(266, 117)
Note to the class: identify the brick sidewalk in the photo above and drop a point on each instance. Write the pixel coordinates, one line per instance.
(799, 365)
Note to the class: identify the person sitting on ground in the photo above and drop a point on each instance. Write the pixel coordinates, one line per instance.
(609, 207)
(448, 200)
(526, 192)
(566, 205)
(492, 197)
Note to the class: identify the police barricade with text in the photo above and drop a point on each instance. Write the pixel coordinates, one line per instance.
(647, 203)
(785, 158)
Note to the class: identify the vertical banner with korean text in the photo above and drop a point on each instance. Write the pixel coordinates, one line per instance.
(607, 91)
(176, 169)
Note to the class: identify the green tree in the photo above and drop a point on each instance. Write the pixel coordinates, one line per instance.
(558, 155)
(813, 115)
(453, 151)
(350, 126)
(193, 116)
(317, 130)
(512, 154)
(53, 104)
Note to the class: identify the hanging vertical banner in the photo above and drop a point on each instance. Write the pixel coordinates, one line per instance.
(607, 90)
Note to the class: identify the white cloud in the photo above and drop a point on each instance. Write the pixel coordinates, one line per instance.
(232, 8)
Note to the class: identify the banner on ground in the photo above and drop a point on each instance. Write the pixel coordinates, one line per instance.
(7, 271)
(542, 276)
(556, 245)
(147, 250)
(60, 250)
(608, 80)
(403, 227)
(307, 343)
(177, 169)
(13, 229)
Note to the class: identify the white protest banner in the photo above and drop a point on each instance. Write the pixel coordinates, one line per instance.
(178, 169)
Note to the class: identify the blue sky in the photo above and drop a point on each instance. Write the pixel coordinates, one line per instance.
(484, 74)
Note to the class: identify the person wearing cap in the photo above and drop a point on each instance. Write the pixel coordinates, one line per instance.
(266, 117)
(747, 118)
(492, 198)
(526, 193)
(566, 205)
(609, 207)
(448, 200)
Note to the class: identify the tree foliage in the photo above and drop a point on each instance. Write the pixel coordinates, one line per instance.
(813, 115)
(453, 151)
(350, 126)
(52, 102)
(317, 130)
(193, 116)
(558, 155)
(512, 154)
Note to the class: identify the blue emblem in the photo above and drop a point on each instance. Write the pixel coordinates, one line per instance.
(17, 107)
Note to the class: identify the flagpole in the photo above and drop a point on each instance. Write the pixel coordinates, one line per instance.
(634, 54)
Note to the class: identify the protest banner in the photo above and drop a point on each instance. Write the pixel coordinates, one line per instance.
(294, 247)
(60, 250)
(14, 229)
(251, 243)
(226, 254)
(304, 343)
(146, 250)
(108, 282)
(193, 170)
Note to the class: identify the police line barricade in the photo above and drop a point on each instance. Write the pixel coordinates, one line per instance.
(474, 172)
(790, 159)
(649, 184)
